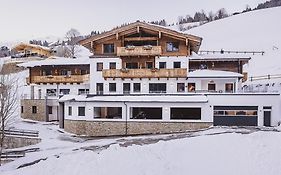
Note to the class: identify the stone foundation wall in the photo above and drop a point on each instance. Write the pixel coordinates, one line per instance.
(27, 109)
(114, 128)
(11, 142)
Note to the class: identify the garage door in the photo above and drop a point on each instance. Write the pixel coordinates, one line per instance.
(235, 116)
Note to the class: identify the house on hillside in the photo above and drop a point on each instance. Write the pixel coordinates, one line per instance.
(50, 79)
(31, 50)
(147, 79)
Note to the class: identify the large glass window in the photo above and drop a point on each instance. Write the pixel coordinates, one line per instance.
(108, 48)
(81, 111)
(146, 113)
(172, 46)
(185, 113)
(108, 112)
(157, 88)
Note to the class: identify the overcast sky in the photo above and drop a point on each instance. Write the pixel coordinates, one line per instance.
(27, 19)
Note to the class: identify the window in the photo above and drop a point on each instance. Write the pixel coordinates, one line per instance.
(172, 47)
(108, 112)
(46, 72)
(65, 72)
(180, 87)
(112, 65)
(70, 110)
(137, 87)
(211, 87)
(34, 109)
(126, 88)
(108, 48)
(229, 87)
(237, 111)
(112, 87)
(83, 91)
(177, 65)
(99, 66)
(81, 111)
(162, 65)
(21, 109)
(132, 65)
(51, 92)
(191, 87)
(157, 87)
(149, 65)
(185, 113)
(64, 91)
(50, 110)
(146, 113)
(99, 88)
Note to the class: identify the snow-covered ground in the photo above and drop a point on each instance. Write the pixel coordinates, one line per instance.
(217, 151)
(253, 31)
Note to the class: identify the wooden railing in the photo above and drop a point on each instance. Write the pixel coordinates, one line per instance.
(145, 73)
(139, 51)
(60, 79)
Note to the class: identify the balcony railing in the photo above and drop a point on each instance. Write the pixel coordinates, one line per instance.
(145, 73)
(139, 51)
(60, 79)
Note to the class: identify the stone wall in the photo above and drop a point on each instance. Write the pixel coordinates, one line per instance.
(11, 142)
(27, 109)
(115, 128)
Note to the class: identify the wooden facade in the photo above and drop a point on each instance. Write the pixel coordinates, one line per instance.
(59, 74)
(33, 50)
(140, 43)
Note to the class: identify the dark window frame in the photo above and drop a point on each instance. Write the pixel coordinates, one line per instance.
(162, 65)
(81, 111)
(99, 68)
(109, 48)
(34, 109)
(172, 46)
(177, 65)
(112, 87)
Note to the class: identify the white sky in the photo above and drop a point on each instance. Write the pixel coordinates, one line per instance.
(27, 19)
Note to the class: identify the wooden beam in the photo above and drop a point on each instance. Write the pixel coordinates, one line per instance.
(159, 35)
(141, 39)
(117, 36)
(186, 41)
(138, 29)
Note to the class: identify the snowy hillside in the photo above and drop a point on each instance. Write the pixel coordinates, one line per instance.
(252, 31)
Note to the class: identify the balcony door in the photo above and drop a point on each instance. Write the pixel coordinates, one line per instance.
(100, 88)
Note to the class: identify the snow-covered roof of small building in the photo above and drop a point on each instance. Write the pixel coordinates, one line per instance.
(57, 61)
(137, 98)
(213, 74)
(224, 56)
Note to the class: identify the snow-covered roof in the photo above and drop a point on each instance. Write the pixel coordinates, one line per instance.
(224, 56)
(213, 74)
(23, 45)
(136, 98)
(57, 61)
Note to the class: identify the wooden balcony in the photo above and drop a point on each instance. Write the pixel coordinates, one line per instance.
(145, 73)
(139, 51)
(60, 79)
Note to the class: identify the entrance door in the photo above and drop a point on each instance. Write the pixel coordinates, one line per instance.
(267, 118)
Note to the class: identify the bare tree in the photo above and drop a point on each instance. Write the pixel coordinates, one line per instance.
(73, 36)
(8, 103)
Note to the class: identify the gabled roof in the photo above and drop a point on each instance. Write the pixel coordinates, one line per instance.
(22, 46)
(139, 24)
